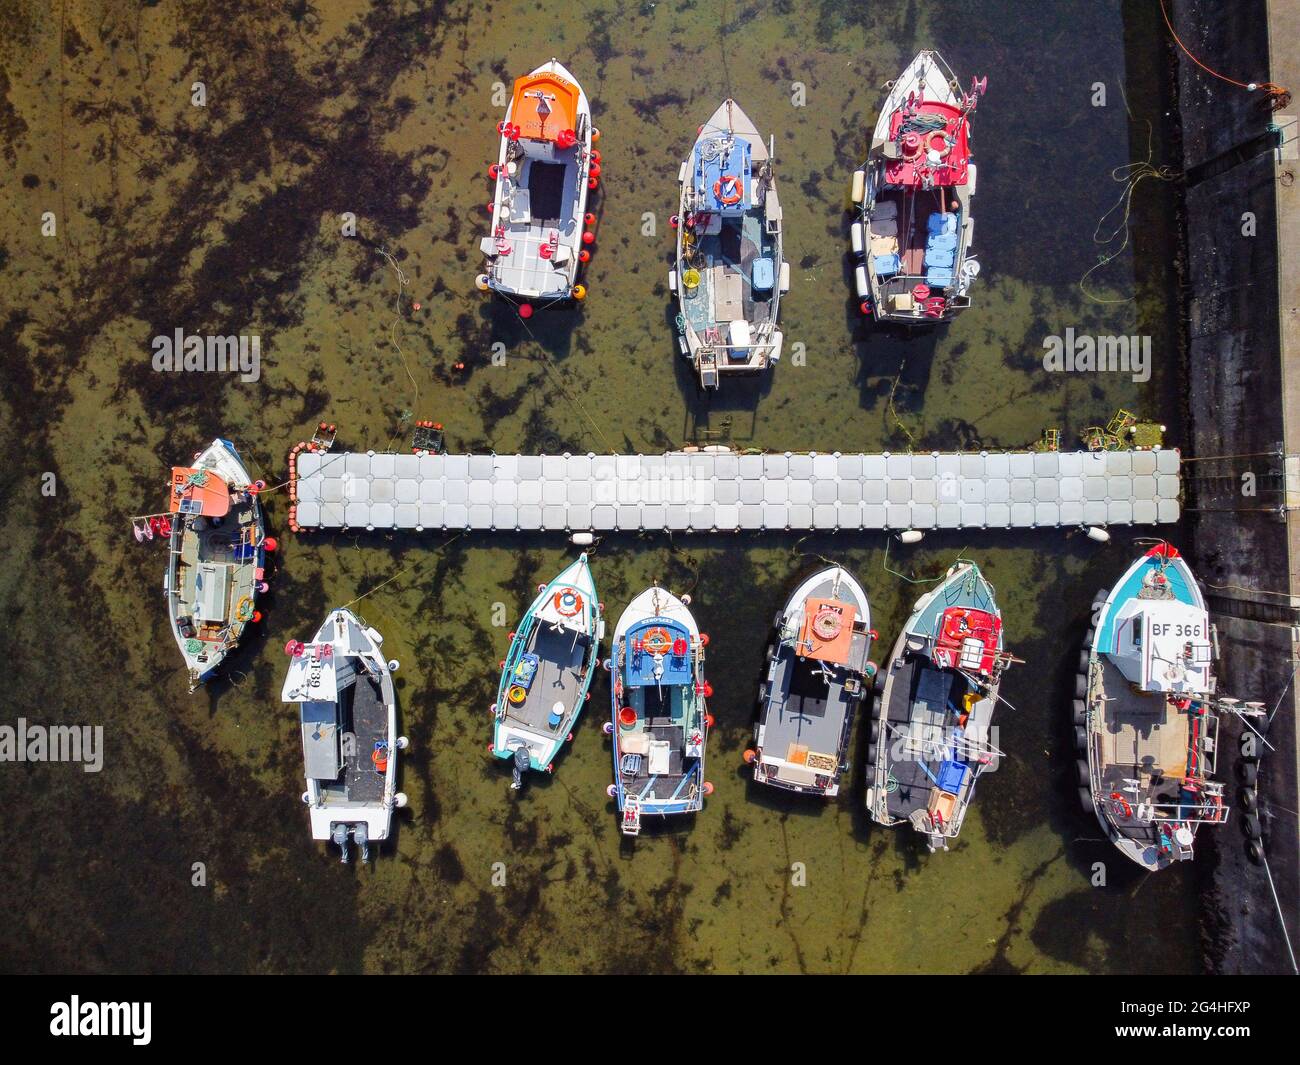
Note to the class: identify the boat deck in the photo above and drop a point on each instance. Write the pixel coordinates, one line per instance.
(916, 731)
(810, 716)
(725, 261)
(714, 492)
(1143, 742)
(674, 783)
(562, 658)
(369, 724)
(546, 198)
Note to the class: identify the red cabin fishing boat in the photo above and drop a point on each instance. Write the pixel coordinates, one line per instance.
(914, 196)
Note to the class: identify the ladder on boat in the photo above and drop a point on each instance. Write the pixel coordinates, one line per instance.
(632, 815)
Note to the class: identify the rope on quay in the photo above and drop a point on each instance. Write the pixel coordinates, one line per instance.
(1280, 96)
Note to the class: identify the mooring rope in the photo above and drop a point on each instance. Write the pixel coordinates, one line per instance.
(1281, 96)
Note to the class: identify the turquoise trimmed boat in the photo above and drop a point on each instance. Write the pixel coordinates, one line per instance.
(547, 672)
(659, 712)
(1145, 716)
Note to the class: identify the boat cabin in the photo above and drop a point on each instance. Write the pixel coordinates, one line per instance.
(1162, 645)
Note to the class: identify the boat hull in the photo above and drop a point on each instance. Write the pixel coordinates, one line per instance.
(915, 736)
(366, 798)
(729, 273)
(232, 551)
(1121, 723)
(557, 653)
(900, 277)
(539, 193)
(679, 721)
(806, 710)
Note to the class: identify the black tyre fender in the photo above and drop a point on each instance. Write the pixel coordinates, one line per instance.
(1081, 771)
(1085, 800)
(1080, 712)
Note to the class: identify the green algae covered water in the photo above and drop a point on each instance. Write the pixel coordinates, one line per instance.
(314, 175)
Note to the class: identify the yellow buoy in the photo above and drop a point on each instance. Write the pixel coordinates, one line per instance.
(579, 292)
(481, 282)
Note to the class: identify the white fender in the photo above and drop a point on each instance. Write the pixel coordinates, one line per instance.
(858, 235)
(785, 276)
(911, 536)
(1096, 532)
(582, 539)
(970, 180)
(672, 280)
(859, 186)
(860, 280)
(777, 339)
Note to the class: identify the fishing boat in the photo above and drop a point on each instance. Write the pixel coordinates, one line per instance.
(547, 671)
(729, 275)
(660, 720)
(931, 737)
(343, 686)
(914, 195)
(545, 168)
(818, 671)
(1145, 716)
(216, 558)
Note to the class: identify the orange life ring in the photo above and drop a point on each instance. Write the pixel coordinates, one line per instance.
(657, 641)
(737, 189)
(567, 602)
(827, 624)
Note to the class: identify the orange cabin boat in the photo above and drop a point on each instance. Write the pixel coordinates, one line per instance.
(544, 106)
(198, 492)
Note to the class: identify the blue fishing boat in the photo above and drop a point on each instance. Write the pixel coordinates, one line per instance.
(1145, 715)
(546, 674)
(931, 735)
(729, 274)
(660, 720)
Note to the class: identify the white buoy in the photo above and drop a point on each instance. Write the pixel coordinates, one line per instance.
(403, 743)
(582, 539)
(393, 665)
(400, 799)
(686, 598)
(1096, 532)
(911, 536)
(306, 796)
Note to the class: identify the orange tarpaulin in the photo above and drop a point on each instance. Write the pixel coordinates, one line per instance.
(544, 106)
(198, 492)
(827, 630)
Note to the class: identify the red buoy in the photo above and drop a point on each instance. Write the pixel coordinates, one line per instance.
(589, 237)
(589, 219)
(270, 544)
(525, 310)
(592, 182)
(584, 256)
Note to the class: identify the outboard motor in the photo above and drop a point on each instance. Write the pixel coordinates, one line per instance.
(340, 836)
(361, 833)
(519, 767)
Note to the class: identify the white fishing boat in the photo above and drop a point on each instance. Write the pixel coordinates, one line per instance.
(729, 273)
(545, 169)
(217, 547)
(914, 195)
(1146, 716)
(818, 673)
(343, 686)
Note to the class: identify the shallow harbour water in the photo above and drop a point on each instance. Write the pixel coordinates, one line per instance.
(226, 219)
